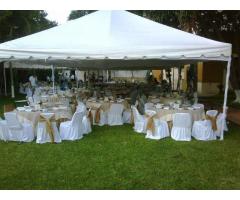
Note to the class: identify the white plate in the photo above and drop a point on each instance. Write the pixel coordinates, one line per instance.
(20, 108)
(166, 108)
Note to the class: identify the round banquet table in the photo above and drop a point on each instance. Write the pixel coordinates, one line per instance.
(105, 105)
(33, 116)
(167, 114)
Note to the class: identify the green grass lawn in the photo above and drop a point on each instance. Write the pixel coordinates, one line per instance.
(118, 158)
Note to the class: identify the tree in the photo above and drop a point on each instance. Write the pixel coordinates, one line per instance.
(224, 26)
(19, 23)
(79, 13)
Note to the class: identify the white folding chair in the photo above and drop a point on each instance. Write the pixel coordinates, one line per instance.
(202, 130)
(221, 119)
(198, 106)
(43, 134)
(140, 121)
(212, 113)
(4, 134)
(160, 127)
(115, 115)
(182, 125)
(22, 132)
(81, 108)
(74, 129)
(127, 116)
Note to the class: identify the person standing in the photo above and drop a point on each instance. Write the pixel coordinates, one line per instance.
(33, 82)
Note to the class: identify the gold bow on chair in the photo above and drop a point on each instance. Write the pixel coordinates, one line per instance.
(48, 125)
(213, 120)
(97, 115)
(132, 117)
(90, 116)
(150, 123)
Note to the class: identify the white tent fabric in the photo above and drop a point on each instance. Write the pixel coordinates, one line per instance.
(113, 35)
(20, 65)
(129, 74)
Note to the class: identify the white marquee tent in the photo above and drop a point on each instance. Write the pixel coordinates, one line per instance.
(115, 40)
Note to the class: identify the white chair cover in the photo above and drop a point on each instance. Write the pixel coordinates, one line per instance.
(22, 132)
(182, 124)
(161, 130)
(74, 129)
(4, 132)
(220, 120)
(212, 113)
(198, 106)
(127, 116)
(115, 115)
(202, 130)
(42, 133)
(140, 121)
(87, 125)
(103, 118)
(81, 108)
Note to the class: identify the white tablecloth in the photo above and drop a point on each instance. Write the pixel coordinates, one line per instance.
(105, 106)
(33, 117)
(167, 115)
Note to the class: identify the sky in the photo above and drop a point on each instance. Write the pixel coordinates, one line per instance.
(60, 16)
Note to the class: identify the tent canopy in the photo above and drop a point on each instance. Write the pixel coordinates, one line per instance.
(113, 39)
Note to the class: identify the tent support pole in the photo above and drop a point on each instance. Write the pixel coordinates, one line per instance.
(225, 97)
(12, 82)
(5, 80)
(53, 79)
(76, 79)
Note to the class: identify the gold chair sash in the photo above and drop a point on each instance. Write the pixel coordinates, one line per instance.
(90, 116)
(97, 115)
(150, 123)
(213, 121)
(48, 125)
(132, 117)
